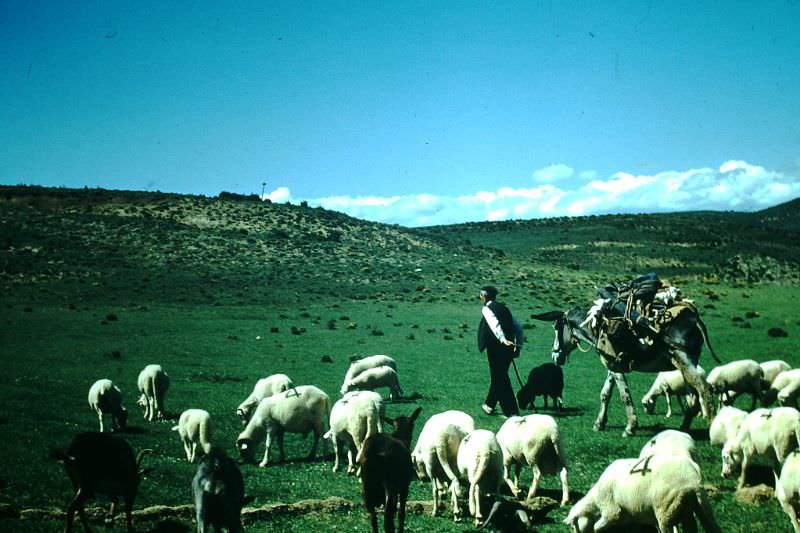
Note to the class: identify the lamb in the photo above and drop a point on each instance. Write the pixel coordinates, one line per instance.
(670, 442)
(153, 384)
(787, 488)
(106, 398)
(386, 472)
(298, 410)
(726, 425)
(375, 378)
(771, 370)
(737, 377)
(264, 388)
(658, 490)
(435, 456)
(545, 380)
(533, 440)
(218, 489)
(666, 383)
(194, 428)
(359, 365)
(353, 419)
(772, 433)
(104, 464)
(785, 388)
(480, 463)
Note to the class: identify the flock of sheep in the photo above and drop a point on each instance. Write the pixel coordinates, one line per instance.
(661, 487)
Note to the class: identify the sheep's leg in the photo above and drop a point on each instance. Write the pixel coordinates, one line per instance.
(100, 416)
(745, 464)
(625, 396)
(455, 489)
(435, 490)
(537, 474)
(187, 450)
(512, 484)
(791, 509)
(669, 403)
(112, 510)
(477, 514)
(265, 460)
(336, 452)
(605, 396)
(313, 451)
(564, 485)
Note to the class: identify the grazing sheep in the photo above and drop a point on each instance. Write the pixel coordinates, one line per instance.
(298, 410)
(218, 489)
(666, 383)
(545, 380)
(153, 384)
(106, 398)
(435, 456)
(104, 464)
(735, 378)
(771, 370)
(670, 442)
(772, 433)
(480, 463)
(264, 388)
(787, 488)
(784, 388)
(507, 516)
(359, 365)
(386, 472)
(194, 428)
(353, 419)
(726, 425)
(375, 378)
(658, 490)
(533, 440)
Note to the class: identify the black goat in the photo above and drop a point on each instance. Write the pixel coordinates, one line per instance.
(387, 471)
(218, 489)
(105, 464)
(543, 380)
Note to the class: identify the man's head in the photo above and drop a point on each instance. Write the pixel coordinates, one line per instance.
(488, 293)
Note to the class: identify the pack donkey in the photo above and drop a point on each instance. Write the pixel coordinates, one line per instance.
(677, 346)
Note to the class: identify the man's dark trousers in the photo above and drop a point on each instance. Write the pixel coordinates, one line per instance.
(500, 390)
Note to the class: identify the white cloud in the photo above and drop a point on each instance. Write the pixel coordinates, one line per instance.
(734, 185)
(553, 173)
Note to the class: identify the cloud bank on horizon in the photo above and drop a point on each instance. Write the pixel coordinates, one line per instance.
(558, 190)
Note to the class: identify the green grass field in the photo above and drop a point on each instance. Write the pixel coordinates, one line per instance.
(218, 315)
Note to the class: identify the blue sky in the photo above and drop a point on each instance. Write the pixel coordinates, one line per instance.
(410, 112)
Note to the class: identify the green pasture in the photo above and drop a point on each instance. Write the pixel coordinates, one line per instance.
(57, 341)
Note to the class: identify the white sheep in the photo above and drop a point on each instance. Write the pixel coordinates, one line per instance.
(480, 463)
(737, 377)
(785, 388)
(153, 384)
(772, 433)
(533, 440)
(435, 455)
(725, 425)
(667, 383)
(771, 370)
(375, 378)
(659, 490)
(194, 428)
(353, 418)
(264, 388)
(297, 410)
(670, 442)
(787, 488)
(106, 399)
(371, 361)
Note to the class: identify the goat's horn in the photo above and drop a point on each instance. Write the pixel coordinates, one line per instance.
(141, 455)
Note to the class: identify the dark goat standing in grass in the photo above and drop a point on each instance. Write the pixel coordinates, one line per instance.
(543, 380)
(105, 464)
(218, 489)
(387, 471)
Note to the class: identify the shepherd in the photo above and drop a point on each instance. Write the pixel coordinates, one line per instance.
(499, 335)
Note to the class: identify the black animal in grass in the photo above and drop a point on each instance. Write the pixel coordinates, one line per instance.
(545, 380)
(99, 463)
(218, 489)
(387, 471)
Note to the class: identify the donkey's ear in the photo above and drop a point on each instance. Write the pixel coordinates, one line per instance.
(415, 414)
(550, 316)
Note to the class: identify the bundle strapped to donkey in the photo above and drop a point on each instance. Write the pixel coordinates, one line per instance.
(628, 317)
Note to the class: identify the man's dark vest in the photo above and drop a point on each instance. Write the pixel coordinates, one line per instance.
(486, 338)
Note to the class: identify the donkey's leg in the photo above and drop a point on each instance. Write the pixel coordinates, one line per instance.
(605, 396)
(625, 396)
(692, 376)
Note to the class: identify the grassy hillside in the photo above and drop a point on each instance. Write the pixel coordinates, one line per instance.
(223, 291)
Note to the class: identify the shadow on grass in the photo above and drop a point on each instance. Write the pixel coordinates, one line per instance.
(170, 526)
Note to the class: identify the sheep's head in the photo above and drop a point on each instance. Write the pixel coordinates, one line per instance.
(649, 405)
(244, 414)
(247, 450)
(732, 457)
(419, 468)
(142, 401)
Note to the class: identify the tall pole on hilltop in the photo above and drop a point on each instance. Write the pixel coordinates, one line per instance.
(264, 184)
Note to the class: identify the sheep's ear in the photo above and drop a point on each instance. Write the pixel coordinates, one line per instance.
(550, 316)
(387, 420)
(415, 414)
